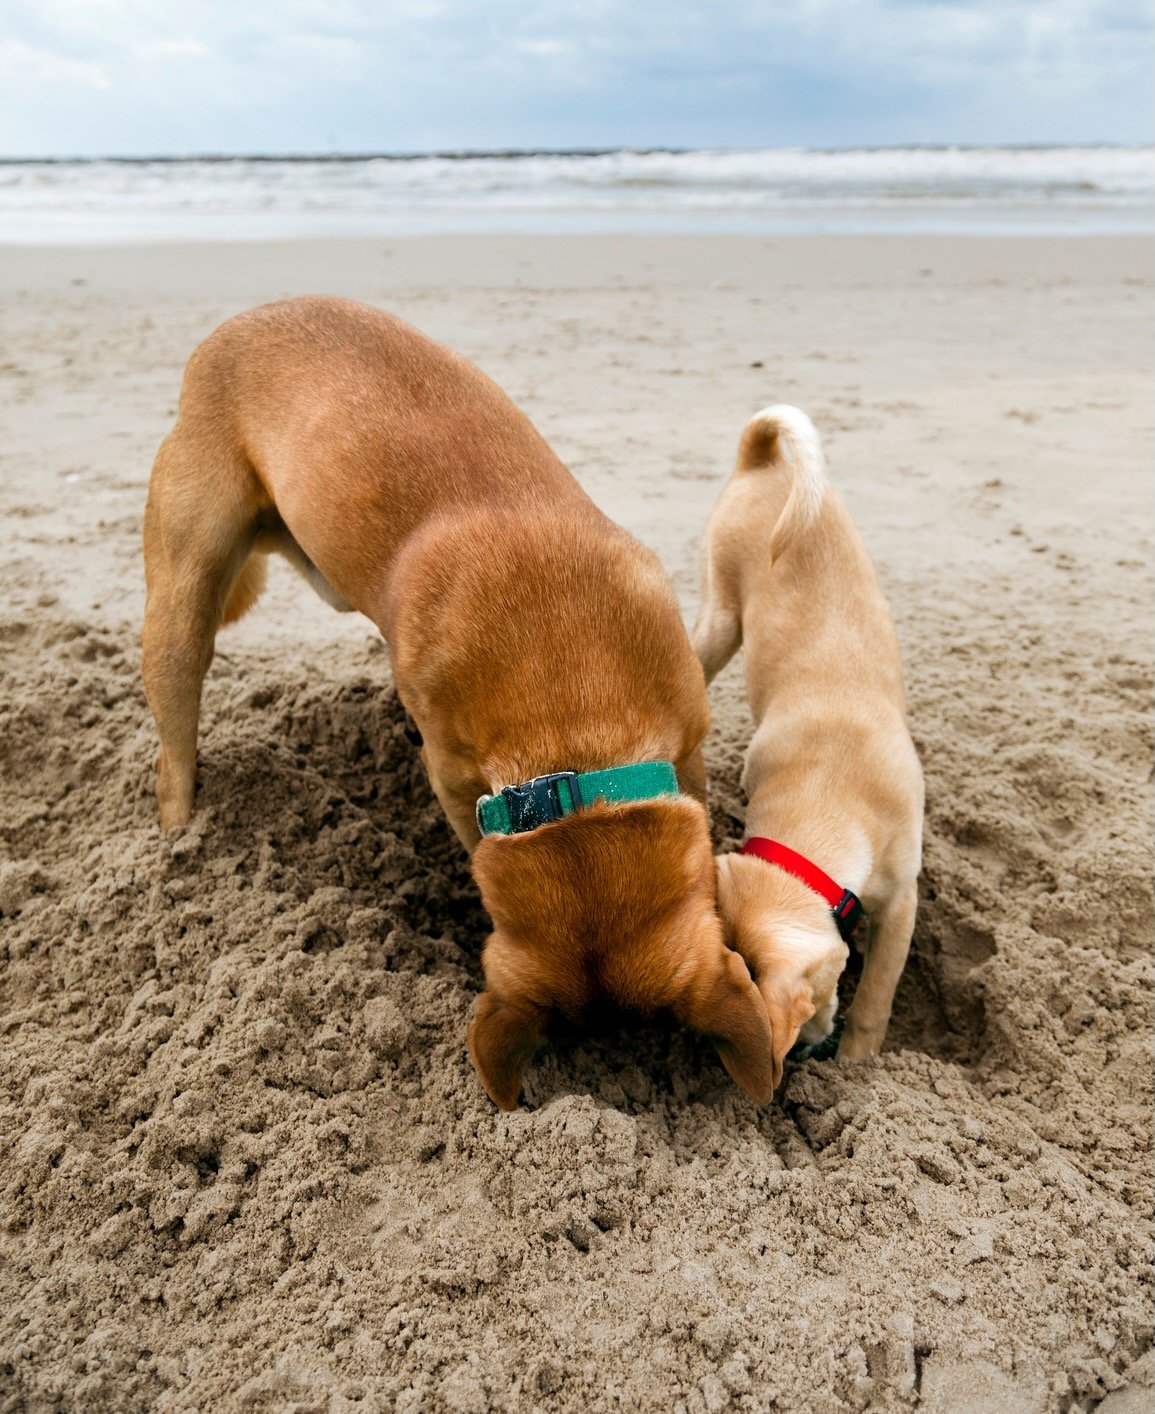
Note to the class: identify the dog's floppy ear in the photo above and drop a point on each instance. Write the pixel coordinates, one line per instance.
(789, 1005)
(727, 1007)
(502, 1039)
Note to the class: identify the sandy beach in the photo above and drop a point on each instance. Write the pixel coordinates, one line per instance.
(244, 1160)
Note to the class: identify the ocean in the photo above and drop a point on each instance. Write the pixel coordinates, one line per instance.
(980, 190)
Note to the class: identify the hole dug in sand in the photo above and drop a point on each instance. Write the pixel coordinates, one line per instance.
(939, 1006)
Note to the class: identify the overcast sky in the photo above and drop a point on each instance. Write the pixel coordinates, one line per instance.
(91, 77)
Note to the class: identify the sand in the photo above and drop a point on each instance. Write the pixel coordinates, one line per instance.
(244, 1161)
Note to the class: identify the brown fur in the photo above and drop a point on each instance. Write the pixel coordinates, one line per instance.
(528, 634)
(576, 937)
(831, 770)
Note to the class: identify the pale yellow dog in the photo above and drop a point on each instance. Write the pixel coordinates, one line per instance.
(833, 781)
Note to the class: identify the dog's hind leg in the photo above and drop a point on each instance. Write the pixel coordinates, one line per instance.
(198, 530)
(717, 632)
(886, 953)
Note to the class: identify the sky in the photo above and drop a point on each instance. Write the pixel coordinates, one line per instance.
(174, 77)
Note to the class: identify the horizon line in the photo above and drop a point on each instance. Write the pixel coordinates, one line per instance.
(507, 153)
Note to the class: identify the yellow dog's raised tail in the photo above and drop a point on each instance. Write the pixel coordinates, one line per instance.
(782, 438)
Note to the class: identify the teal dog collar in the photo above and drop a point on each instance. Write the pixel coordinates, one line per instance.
(516, 809)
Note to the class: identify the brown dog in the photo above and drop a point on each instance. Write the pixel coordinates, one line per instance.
(834, 786)
(528, 634)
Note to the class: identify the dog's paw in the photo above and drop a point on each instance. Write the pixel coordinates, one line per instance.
(826, 1049)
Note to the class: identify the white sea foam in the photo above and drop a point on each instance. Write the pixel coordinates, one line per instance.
(1058, 189)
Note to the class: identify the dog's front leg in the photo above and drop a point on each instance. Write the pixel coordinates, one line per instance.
(886, 953)
(461, 811)
(691, 772)
(457, 786)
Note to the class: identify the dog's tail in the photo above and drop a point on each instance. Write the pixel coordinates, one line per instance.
(783, 438)
(246, 589)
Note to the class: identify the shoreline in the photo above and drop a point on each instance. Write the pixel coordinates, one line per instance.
(799, 227)
(453, 260)
(520, 236)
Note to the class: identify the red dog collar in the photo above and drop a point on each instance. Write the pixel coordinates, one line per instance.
(845, 906)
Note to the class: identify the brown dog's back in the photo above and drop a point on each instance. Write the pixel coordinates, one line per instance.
(343, 415)
(529, 635)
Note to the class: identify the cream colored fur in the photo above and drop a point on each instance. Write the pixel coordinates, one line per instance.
(831, 770)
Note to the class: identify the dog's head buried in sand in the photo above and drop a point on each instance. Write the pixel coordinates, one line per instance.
(580, 940)
(528, 635)
(788, 932)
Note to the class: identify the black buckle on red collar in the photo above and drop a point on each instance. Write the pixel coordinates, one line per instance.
(845, 907)
(847, 914)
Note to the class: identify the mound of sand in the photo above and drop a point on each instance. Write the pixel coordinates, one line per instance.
(246, 1160)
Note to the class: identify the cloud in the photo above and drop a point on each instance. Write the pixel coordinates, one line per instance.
(34, 67)
(89, 76)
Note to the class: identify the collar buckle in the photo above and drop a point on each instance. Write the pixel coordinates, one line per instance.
(845, 906)
(514, 810)
(540, 802)
(847, 914)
